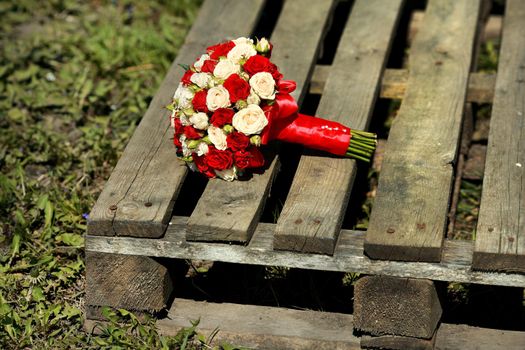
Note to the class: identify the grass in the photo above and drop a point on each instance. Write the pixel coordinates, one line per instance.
(75, 79)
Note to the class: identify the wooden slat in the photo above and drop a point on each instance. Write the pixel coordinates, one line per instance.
(279, 328)
(410, 210)
(313, 212)
(230, 211)
(138, 197)
(254, 333)
(500, 235)
(394, 84)
(348, 256)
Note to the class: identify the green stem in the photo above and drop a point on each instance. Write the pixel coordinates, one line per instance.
(362, 145)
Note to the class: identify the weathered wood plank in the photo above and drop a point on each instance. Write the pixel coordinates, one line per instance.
(394, 84)
(464, 337)
(410, 210)
(139, 195)
(393, 342)
(348, 256)
(125, 281)
(262, 326)
(385, 305)
(313, 212)
(296, 40)
(500, 235)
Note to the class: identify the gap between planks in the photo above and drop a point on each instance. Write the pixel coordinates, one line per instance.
(455, 263)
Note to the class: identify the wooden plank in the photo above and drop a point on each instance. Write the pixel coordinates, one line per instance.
(500, 235)
(126, 281)
(138, 198)
(394, 342)
(410, 210)
(449, 336)
(296, 40)
(464, 337)
(348, 256)
(385, 305)
(313, 212)
(263, 327)
(394, 84)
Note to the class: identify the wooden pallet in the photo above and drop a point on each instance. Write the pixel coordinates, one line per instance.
(132, 222)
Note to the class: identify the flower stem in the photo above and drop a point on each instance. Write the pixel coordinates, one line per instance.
(362, 145)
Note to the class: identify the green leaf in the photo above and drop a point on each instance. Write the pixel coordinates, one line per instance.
(38, 294)
(42, 201)
(48, 214)
(71, 239)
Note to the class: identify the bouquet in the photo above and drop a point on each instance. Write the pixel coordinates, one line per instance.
(233, 99)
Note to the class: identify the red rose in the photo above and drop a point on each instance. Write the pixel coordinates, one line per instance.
(208, 66)
(191, 133)
(238, 88)
(256, 64)
(249, 158)
(186, 77)
(221, 117)
(177, 142)
(219, 160)
(199, 101)
(220, 50)
(274, 71)
(237, 141)
(178, 126)
(200, 162)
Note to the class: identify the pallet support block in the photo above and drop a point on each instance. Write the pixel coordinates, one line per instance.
(137, 283)
(394, 342)
(396, 306)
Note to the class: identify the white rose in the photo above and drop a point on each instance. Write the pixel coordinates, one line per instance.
(262, 45)
(227, 174)
(250, 120)
(263, 85)
(183, 97)
(242, 40)
(186, 152)
(202, 80)
(217, 137)
(218, 97)
(253, 99)
(202, 149)
(200, 62)
(241, 51)
(199, 120)
(225, 68)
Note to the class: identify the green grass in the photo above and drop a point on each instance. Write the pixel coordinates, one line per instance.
(75, 79)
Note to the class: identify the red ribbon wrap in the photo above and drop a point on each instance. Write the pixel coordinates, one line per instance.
(286, 124)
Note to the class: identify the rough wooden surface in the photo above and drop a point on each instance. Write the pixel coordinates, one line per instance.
(138, 197)
(393, 342)
(386, 305)
(316, 204)
(126, 281)
(410, 210)
(500, 234)
(272, 327)
(394, 83)
(348, 256)
(229, 211)
(473, 338)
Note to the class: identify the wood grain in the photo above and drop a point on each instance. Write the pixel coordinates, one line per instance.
(410, 210)
(500, 234)
(138, 198)
(314, 210)
(385, 305)
(229, 211)
(278, 328)
(348, 256)
(394, 84)
(394, 342)
(126, 281)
